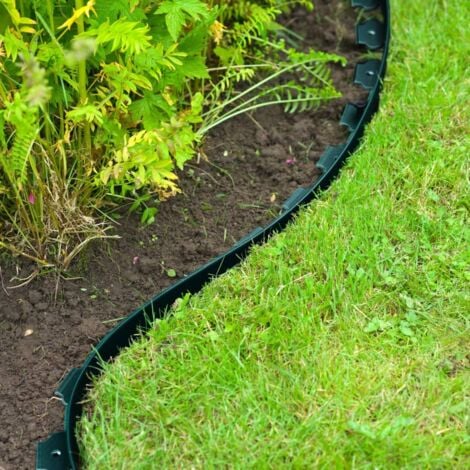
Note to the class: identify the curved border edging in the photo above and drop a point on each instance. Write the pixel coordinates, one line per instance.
(60, 450)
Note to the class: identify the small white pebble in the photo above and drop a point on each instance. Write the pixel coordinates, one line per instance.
(28, 332)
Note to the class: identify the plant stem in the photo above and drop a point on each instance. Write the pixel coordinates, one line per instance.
(47, 126)
(12, 248)
(255, 86)
(50, 13)
(238, 67)
(232, 114)
(82, 80)
(22, 8)
(3, 94)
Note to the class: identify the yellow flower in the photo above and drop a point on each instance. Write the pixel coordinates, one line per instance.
(217, 30)
(78, 13)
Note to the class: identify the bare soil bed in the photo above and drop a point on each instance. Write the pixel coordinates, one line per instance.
(254, 164)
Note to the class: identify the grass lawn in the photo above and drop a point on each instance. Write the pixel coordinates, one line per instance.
(343, 342)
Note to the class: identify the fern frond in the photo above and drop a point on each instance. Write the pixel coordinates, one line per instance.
(19, 154)
(24, 121)
(233, 76)
(256, 24)
(123, 35)
(311, 86)
(121, 79)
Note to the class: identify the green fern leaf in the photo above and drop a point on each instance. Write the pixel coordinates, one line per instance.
(24, 139)
(123, 35)
(24, 119)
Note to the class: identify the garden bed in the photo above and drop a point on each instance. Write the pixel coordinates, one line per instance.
(253, 165)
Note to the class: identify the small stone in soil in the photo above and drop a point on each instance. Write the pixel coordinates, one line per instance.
(26, 307)
(73, 301)
(34, 296)
(65, 312)
(262, 137)
(148, 265)
(276, 150)
(41, 306)
(13, 315)
(131, 276)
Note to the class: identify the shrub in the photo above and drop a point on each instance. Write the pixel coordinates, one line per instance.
(101, 102)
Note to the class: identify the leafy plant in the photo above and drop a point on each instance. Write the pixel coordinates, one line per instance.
(101, 102)
(252, 49)
(93, 105)
(312, 86)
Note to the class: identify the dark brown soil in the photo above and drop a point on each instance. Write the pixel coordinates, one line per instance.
(254, 165)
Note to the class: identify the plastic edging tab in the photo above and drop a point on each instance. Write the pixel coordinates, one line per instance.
(351, 116)
(366, 74)
(330, 157)
(371, 34)
(52, 453)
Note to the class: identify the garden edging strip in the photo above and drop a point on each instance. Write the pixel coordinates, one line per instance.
(60, 450)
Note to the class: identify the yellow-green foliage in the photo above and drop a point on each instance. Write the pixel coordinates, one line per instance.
(81, 83)
(105, 99)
